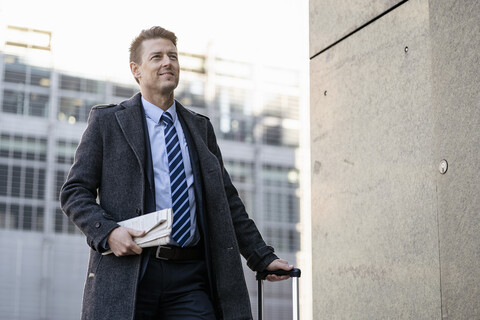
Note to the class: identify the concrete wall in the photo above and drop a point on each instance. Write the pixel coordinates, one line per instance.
(394, 91)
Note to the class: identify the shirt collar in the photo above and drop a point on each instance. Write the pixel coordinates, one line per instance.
(155, 113)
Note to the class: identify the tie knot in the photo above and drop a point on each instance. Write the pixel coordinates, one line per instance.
(167, 118)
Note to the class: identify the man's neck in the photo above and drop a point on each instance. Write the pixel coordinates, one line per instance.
(162, 101)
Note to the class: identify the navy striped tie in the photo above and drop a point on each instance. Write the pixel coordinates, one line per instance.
(178, 183)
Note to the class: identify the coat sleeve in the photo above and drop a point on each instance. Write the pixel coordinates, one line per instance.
(252, 246)
(79, 193)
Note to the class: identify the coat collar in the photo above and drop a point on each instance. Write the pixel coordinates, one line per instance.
(132, 118)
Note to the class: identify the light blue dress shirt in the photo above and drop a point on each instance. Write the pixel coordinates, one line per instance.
(163, 195)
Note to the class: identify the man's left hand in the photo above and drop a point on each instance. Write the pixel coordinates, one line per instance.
(278, 264)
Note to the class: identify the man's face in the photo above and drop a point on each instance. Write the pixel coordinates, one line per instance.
(159, 70)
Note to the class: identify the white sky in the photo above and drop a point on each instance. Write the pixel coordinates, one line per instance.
(93, 36)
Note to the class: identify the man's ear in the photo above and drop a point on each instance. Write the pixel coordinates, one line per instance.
(135, 69)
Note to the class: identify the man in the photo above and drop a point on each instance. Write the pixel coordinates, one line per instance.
(146, 154)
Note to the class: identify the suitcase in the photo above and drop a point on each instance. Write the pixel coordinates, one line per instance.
(294, 274)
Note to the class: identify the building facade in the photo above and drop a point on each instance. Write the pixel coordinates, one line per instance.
(43, 112)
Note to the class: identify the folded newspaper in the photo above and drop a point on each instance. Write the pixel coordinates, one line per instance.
(157, 226)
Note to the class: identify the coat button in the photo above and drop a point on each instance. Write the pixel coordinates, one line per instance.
(139, 211)
(97, 225)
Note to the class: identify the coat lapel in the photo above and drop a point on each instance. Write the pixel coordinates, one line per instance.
(130, 120)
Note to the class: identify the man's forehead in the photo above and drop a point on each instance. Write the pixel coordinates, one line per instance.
(159, 44)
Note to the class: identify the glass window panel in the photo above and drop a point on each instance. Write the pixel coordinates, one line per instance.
(38, 105)
(31, 148)
(232, 100)
(15, 73)
(42, 145)
(66, 151)
(59, 217)
(39, 218)
(74, 110)
(40, 77)
(5, 145)
(41, 184)
(3, 215)
(27, 217)
(60, 177)
(94, 86)
(29, 183)
(63, 224)
(13, 102)
(30, 151)
(293, 208)
(293, 240)
(272, 135)
(70, 83)
(124, 91)
(3, 179)
(16, 181)
(191, 94)
(15, 216)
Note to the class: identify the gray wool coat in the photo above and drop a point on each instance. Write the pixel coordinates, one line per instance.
(110, 164)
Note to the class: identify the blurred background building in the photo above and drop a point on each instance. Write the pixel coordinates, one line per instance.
(43, 111)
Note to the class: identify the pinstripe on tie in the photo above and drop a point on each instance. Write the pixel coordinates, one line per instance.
(178, 183)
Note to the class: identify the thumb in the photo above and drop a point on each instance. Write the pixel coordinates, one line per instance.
(136, 233)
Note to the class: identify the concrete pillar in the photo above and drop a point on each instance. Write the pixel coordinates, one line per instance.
(394, 90)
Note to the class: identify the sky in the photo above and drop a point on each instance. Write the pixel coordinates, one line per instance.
(93, 37)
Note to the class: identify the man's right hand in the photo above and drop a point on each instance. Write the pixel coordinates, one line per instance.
(121, 241)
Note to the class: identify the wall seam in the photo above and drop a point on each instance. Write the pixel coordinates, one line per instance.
(439, 253)
(359, 28)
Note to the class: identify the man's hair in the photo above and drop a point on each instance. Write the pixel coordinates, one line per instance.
(152, 33)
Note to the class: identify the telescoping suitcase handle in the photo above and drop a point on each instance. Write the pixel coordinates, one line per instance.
(294, 274)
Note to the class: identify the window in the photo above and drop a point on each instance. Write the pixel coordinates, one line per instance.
(63, 224)
(70, 83)
(74, 110)
(15, 72)
(66, 151)
(4, 179)
(40, 77)
(20, 147)
(38, 105)
(21, 216)
(94, 86)
(280, 202)
(60, 177)
(3, 215)
(13, 102)
(124, 91)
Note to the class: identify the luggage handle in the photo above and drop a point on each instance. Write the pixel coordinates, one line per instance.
(294, 274)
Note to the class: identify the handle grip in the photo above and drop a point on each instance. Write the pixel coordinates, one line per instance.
(294, 273)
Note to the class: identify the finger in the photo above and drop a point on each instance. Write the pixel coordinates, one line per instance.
(137, 249)
(130, 248)
(274, 278)
(136, 233)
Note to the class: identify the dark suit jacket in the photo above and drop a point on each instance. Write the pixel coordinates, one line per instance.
(112, 161)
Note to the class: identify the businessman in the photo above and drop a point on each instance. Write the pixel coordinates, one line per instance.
(150, 153)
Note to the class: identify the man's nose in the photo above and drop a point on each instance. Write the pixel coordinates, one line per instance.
(167, 61)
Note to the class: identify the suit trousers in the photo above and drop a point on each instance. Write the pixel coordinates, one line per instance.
(174, 290)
